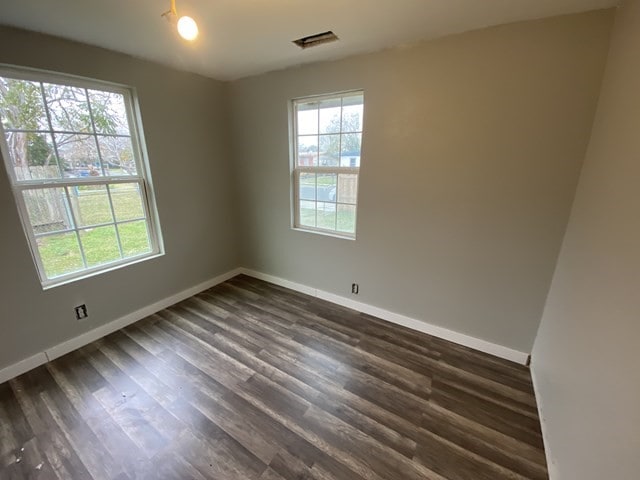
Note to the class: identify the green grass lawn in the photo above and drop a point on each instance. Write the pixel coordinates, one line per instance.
(91, 204)
(60, 253)
(343, 220)
(346, 219)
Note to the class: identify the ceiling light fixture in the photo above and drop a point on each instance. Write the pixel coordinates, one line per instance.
(187, 26)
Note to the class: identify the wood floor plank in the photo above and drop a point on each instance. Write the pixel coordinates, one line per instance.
(110, 434)
(10, 441)
(83, 440)
(249, 380)
(61, 456)
(341, 402)
(485, 441)
(172, 466)
(456, 463)
(20, 428)
(489, 415)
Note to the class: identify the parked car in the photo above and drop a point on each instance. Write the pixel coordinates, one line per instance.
(326, 193)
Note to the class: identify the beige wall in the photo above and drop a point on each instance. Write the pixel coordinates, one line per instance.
(472, 149)
(585, 357)
(184, 118)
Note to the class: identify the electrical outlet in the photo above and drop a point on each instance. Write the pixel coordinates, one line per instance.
(355, 288)
(81, 312)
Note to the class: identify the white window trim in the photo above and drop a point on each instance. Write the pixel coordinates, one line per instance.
(296, 170)
(142, 167)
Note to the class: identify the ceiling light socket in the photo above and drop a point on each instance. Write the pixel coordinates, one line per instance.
(187, 26)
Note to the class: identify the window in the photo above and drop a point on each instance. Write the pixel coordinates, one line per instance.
(327, 133)
(74, 158)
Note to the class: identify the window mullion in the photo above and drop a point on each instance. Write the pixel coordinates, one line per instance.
(50, 123)
(296, 197)
(135, 135)
(76, 227)
(336, 201)
(335, 225)
(326, 170)
(65, 132)
(115, 222)
(95, 133)
(315, 177)
(152, 233)
(340, 142)
(318, 140)
(50, 183)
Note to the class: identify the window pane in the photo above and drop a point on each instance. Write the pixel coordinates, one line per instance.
(307, 213)
(68, 108)
(327, 185)
(117, 155)
(61, 138)
(79, 155)
(90, 205)
(307, 186)
(21, 105)
(327, 215)
(308, 150)
(330, 115)
(134, 238)
(352, 112)
(100, 245)
(32, 155)
(307, 118)
(60, 254)
(350, 153)
(329, 150)
(347, 188)
(109, 112)
(127, 201)
(347, 218)
(48, 209)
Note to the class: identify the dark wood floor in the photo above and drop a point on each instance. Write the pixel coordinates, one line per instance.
(253, 381)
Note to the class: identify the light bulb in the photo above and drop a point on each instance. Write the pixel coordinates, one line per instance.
(187, 28)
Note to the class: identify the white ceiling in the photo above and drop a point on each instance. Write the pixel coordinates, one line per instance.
(245, 37)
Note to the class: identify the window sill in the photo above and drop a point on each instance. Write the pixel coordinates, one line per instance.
(325, 233)
(71, 278)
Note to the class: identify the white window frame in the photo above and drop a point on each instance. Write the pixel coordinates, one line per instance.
(142, 178)
(297, 170)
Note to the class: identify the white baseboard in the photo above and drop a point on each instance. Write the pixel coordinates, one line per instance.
(22, 366)
(551, 465)
(63, 348)
(412, 323)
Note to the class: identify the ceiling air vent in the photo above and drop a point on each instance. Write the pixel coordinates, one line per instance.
(315, 40)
